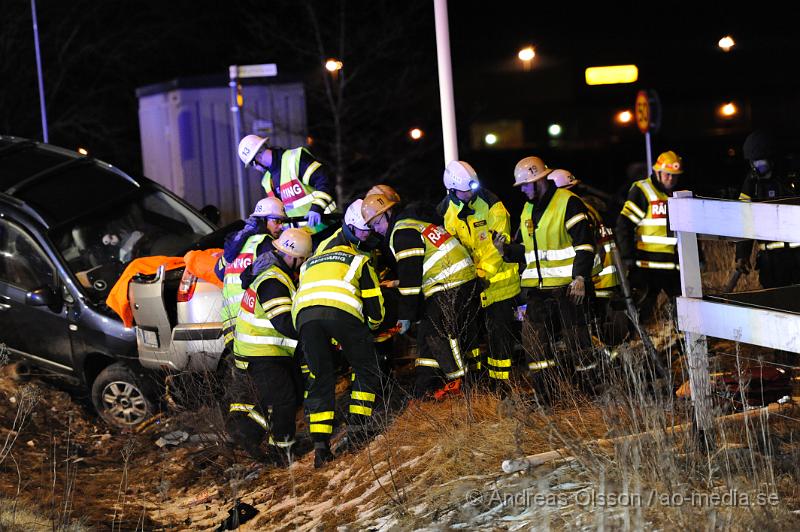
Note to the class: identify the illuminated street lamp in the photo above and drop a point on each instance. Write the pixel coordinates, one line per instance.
(728, 110)
(416, 133)
(332, 65)
(624, 117)
(726, 43)
(554, 130)
(83, 151)
(526, 55)
(490, 139)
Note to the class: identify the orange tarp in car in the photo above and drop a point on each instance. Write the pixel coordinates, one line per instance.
(117, 298)
(201, 263)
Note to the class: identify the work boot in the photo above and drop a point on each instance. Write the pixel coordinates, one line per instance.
(322, 454)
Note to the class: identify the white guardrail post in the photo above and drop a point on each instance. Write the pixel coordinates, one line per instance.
(696, 347)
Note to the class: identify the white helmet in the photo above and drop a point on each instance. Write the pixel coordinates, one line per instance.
(249, 146)
(459, 175)
(530, 170)
(295, 242)
(269, 208)
(563, 178)
(352, 216)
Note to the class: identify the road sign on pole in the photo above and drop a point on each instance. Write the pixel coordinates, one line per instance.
(648, 118)
(237, 72)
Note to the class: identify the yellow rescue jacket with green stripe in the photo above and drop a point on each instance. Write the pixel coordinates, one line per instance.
(646, 209)
(256, 336)
(298, 192)
(341, 278)
(487, 215)
(554, 247)
(232, 284)
(443, 262)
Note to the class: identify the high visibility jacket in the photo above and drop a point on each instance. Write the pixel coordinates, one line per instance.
(556, 253)
(255, 335)
(296, 191)
(655, 243)
(232, 284)
(474, 231)
(446, 263)
(334, 279)
(608, 278)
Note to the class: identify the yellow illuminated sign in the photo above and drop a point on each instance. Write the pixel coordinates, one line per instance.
(608, 75)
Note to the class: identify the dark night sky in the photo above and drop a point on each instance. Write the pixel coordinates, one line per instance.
(673, 45)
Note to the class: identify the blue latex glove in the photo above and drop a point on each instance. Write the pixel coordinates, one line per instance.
(404, 326)
(314, 218)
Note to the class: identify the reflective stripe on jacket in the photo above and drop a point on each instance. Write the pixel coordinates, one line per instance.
(295, 191)
(556, 253)
(446, 263)
(652, 234)
(475, 234)
(232, 284)
(332, 279)
(255, 334)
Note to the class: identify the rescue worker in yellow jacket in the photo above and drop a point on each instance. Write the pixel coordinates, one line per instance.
(265, 344)
(558, 248)
(647, 246)
(438, 287)
(339, 298)
(474, 215)
(295, 177)
(240, 249)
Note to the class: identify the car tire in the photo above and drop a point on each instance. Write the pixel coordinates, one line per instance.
(121, 397)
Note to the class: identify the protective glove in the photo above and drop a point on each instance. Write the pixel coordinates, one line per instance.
(577, 290)
(499, 242)
(404, 326)
(743, 266)
(313, 218)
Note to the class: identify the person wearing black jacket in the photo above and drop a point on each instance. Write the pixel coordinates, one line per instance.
(438, 288)
(558, 250)
(778, 263)
(266, 352)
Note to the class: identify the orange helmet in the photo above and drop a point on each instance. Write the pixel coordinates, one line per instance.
(386, 190)
(374, 205)
(669, 162)
(530, 170)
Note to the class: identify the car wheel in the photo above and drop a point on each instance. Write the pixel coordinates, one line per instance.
(120, 397)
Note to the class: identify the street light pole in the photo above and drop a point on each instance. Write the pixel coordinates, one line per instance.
(42, 109)
(445, 81)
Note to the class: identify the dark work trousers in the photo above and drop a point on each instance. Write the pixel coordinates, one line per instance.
(501, 337)
(269, 384)
(649, 282)
(359, 350)
(551, 318)
(778, 267)
(447, 336)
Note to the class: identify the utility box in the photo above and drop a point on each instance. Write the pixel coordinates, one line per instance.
(187, 135)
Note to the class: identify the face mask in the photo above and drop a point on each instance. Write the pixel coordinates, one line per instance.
(761, 167)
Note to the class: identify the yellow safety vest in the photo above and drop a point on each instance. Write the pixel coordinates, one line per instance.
(651, 230)
(446, 263)
(232, 284)
(556, 252)
(475, 235)
(608, 278)
(255, 335)
(331, 279)
(295, 191)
